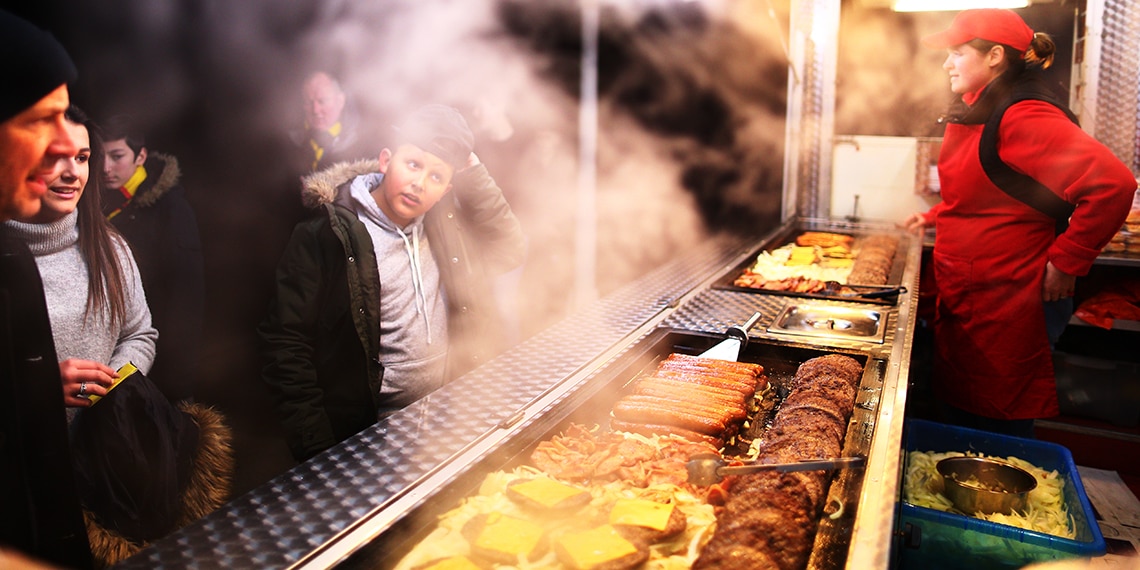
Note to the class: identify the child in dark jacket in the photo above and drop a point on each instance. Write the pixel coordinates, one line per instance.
(386, 294)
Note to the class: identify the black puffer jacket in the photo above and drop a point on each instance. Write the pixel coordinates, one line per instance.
(321, 337)
(162, 229)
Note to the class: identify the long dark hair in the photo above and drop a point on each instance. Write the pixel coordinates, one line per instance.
(97, 238)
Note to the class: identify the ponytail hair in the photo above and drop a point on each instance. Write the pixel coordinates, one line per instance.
(1041, 51)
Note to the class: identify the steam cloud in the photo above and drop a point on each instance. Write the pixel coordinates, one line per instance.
(692, 99)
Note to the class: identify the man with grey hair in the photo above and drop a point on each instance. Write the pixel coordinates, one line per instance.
(39, 507)
(330, 133)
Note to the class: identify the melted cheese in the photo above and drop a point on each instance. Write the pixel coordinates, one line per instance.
(509, 534)
(801, 256)
(453, 563)
(592, 547)
(641, 512)
(545, 491)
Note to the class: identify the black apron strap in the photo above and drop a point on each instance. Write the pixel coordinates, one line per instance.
(1020, 186)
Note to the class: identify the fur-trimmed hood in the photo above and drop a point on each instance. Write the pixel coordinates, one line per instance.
(165, 172)
(319, 188)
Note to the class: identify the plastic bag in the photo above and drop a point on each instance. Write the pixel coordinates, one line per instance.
(1116, 301)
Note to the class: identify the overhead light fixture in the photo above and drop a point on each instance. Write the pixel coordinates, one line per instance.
(953, 5)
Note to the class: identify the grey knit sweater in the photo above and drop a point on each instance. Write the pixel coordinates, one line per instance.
(64, 274)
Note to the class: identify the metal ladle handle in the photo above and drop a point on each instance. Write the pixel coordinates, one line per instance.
(709, 469)
(741, 331)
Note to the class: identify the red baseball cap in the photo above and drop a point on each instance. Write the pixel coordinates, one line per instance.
(991, 24)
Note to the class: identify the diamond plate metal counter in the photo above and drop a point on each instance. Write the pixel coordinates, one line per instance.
(281, 522)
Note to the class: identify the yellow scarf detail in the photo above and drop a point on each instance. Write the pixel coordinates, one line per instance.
(318, 150)
(129, 188)
(132, 184)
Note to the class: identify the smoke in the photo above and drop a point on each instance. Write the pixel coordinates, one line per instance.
(690, 131)
(888, 84)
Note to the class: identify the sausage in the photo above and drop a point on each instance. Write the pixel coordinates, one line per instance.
(700, 377)
(744, 367)
(728, 411)
(681, 367)
(650, 413)
(682, 394)
(659, 429)
(715, 410)
(688, 393)
(681, 384)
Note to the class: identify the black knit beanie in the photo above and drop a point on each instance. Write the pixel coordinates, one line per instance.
(440, 130)
(32, 62)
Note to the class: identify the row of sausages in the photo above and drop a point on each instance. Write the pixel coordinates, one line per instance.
(701, 399)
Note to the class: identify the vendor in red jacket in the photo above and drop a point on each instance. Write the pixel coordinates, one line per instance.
(999, 262)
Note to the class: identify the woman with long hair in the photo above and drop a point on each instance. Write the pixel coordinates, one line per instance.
(102, 321)
(144, 467)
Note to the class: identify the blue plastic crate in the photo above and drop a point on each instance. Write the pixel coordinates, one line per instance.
(948, 540)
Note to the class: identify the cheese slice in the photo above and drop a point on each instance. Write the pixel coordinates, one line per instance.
(546, 492)
(124, 371)
(641, 512)
(592, 547)
(453, 563)
(507, 534)
(801, 256)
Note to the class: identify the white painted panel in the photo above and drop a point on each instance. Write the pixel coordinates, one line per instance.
(881, 172)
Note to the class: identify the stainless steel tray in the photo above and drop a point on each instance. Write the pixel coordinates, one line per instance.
(831, 321)
(881, 294)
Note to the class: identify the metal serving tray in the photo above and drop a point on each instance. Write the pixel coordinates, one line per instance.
(886, 294)
(831, 321)
(590, 406)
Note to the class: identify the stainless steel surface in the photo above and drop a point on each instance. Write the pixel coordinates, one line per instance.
(831, 321)
(814, 25)
(322, 512)
(347, 492)
(984, 485)
(1112, 46)
(705, 470)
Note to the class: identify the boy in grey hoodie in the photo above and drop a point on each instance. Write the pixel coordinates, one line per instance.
(386, 294)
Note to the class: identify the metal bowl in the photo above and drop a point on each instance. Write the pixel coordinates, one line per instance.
(979, 484)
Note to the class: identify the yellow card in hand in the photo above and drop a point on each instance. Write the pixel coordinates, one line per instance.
(124, 371)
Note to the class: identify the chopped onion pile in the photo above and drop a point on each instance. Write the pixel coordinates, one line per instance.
(772, 265)
(1045, 510)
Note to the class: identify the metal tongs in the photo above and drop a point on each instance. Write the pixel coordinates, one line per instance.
(835, 289)
(729, 348)
(709, 468)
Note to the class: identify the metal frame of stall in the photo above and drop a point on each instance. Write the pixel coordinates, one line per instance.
(321, 512)
(317, 514)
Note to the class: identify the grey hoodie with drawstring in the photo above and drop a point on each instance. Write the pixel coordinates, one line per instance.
(354, 302)
(413, 313)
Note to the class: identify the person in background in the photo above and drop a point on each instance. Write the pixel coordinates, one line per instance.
(385, 295)
(144, 200)
(330, 133)
(999, 263)
(41, 516)
(134, 455)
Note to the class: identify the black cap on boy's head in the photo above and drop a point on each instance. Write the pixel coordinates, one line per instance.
(440, 130)
(32, 62)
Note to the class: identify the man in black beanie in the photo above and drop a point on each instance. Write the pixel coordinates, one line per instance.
(39, 508)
